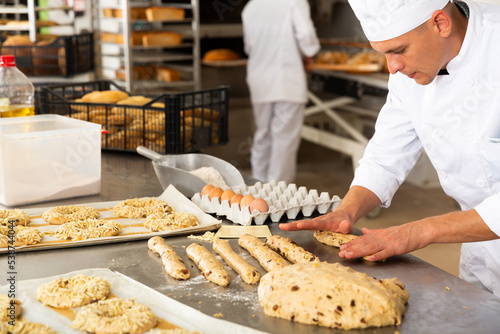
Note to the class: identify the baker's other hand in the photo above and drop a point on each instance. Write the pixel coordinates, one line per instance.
(376, 245)
(336, 221)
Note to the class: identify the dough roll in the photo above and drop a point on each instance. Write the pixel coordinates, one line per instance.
(334, 239)
(248, 273)
(210, 267)
(172, 262)
(267, 258)
(290, 250)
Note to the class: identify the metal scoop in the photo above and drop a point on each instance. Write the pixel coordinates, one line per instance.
(174, 169)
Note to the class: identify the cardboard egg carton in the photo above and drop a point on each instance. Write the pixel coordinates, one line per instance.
(282, 198)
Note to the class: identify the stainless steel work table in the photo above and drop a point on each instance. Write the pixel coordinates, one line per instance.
(439, 302)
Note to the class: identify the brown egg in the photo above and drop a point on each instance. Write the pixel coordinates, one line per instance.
(246, 200)
(227, 195)
(206, 189)
(259, 204)
(215, 192)
(236, 199)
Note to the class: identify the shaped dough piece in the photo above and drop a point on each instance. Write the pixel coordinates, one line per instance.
(172, 262)
(211, 268)
(267, 258)
(248, 273)
(332, 295)
(290, 250)
(333, 238)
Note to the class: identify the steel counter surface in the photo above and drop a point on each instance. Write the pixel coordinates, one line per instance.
(439, 302)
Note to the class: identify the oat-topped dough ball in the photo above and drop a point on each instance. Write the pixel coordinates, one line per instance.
(23, 236)
(115, 315)
(5, 303)
(15, 217)
(69, 213)
(73, 292)
(170, 221)
(88, 229)
(23, 327)
(141, 207)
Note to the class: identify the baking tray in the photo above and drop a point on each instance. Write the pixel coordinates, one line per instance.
(225, 63)
(361, 68)
(132, 228)
(165, 308)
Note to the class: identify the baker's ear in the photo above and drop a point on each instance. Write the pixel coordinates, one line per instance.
(442, 23)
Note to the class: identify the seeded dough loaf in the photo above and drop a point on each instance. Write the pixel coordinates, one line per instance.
(210, 267)
(290, 250)
(172, 262)
(248, 273)
(332, 295)
(267, 258)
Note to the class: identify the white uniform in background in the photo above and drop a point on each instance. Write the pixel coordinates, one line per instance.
(276, 35)
(456, 119)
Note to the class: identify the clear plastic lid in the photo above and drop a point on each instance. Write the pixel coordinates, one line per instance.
(7, 61)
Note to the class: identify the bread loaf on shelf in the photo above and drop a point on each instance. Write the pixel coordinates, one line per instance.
(220, 54)
(158, 13)
(136, 13)
(166, 74)
(138, 73)
(20, 47)
(163, 38)
(46, 56)
(135, 37)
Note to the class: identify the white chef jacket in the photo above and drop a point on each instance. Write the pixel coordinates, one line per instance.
(456, 119)
(275, 33)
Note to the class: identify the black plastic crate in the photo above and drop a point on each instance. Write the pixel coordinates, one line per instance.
(64, 56)
(169, 124)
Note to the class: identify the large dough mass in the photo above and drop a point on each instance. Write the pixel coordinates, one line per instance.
(332, 295)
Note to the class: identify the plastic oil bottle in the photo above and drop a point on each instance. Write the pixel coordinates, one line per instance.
(17, 93)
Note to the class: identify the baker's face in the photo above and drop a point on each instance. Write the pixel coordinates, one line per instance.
(417, 54)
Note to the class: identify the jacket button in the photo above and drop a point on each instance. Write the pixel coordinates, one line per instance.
(469, 83)
(469, 136)
(480, 183)
(442, 175)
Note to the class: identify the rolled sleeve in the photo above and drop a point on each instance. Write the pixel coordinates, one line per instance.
(490, 212)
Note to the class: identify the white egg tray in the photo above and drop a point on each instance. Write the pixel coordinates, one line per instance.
(282, 198)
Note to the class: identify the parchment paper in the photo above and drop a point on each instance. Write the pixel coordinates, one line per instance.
(132, 229)
(124, 287)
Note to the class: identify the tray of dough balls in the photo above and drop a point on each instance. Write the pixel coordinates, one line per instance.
(262, 202)
(106, 302)
(171, 213)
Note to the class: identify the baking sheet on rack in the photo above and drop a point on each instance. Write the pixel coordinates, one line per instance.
(122, 286)
(359, 68)
(132, 229)
(225, 63)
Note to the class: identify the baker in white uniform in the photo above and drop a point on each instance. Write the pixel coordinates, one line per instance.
(277, 35)
(444, 97)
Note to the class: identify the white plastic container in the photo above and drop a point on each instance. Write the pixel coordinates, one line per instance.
(48, 157)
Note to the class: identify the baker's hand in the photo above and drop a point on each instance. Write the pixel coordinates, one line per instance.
(376, 245)
(336, 221)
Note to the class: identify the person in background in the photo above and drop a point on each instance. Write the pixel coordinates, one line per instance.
(278, 35)
(444, 97)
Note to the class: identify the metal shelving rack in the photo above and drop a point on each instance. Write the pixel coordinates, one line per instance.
(29, 8)
(111, 55)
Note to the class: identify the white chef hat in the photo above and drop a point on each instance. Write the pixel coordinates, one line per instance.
(386, 19)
